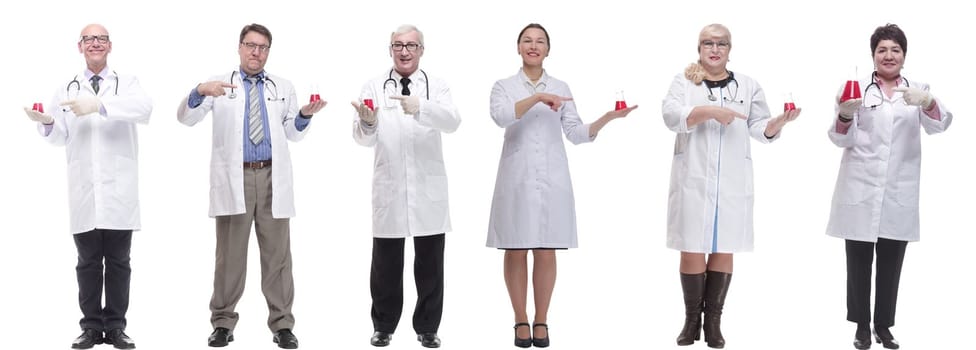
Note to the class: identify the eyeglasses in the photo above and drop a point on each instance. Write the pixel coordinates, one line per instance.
(722, 45)
(410, 46)
(260, 48)
(88, 39)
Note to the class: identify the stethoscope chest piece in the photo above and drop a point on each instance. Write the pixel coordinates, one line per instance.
(232, 95)
(710, 98)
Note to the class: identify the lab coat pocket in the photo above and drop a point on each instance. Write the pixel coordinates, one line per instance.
(907, 194)
(382, 186)
(854, 183)
(126, 180)
(437, 188)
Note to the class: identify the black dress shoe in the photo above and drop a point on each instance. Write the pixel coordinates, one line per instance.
(862, 338)
(541, 342)
(884, 337)
(381, 338)
(119, 340)
(523, 343)
(286, 339)
(429, 340)
(88, 338)
(220, 337)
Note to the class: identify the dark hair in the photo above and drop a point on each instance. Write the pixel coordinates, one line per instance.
(257, 28)
(536, 26)
(889, 32)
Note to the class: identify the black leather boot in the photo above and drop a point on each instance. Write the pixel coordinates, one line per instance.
(716, 288)
(883, 336)
(693, 287)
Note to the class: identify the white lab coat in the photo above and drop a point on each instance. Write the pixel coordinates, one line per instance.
(876, 194)
(409, 179)
(102, 150)
(711, 193)
(533, 204)
(227, 154)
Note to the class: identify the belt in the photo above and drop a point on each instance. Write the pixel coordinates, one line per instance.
(258, 164)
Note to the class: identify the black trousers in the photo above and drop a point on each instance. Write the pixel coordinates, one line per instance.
(386, 283)
(113, 247)
(891, 254)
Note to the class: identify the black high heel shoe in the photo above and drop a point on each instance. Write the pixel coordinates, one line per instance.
(862, 338)
(523, 343)
(540, 342)
(883, 336)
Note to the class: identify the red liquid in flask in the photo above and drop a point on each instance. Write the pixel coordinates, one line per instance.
(369, 103)
(314, 98)
(852, 90)
(789, 106)
(38, 107)
(620, 105)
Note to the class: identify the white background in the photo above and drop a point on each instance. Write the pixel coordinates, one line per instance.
(619, 290)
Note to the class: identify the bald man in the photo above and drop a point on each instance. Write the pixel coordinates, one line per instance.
(95, 118)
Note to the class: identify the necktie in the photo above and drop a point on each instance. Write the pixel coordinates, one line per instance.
(94, 81)
(405, 81)
(255, 123)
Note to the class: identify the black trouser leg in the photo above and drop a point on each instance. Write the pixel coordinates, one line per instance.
(117, 245)
(428, 272)
(859, 258)
(89, 273)
(891, 254)
(386, 283)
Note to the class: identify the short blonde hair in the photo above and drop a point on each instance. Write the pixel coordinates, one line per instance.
(714, 29)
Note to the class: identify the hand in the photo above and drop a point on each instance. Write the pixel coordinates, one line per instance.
(214, 88)
(83, 105)
(410, 104)
(727, 116)
(367, 115)
(553, 101)
(621, 112)
(695, 72)
(313, 107)
(916, 96)
(849, 107)
(774, 126)
(39, 117)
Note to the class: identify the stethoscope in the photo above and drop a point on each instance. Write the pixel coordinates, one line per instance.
(233, 93)
(874, 82)
(724, 83)
(77, 84)
(395, 85)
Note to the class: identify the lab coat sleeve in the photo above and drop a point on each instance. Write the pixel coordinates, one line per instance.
(846, 139)
(674, 107)
(931, 125)
(365, 135)
(576, 131)
(759, 116)
(59, 131)
(288, 120)
(191, 116)
(502, 106)
(440, 112)
(132, 104)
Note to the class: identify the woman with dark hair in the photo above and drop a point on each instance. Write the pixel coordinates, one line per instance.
(715, 114)
(533, 207)
(875, 204)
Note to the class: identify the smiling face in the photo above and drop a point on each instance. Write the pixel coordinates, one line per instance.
(889, 57)
(95, 45)
(533, 46)
(406, 50)
(714, 45)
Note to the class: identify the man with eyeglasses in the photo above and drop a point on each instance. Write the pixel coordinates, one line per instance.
(404, 127)
(251, 181)
(95, 119)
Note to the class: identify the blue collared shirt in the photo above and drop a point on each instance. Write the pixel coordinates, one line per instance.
(252, 152)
